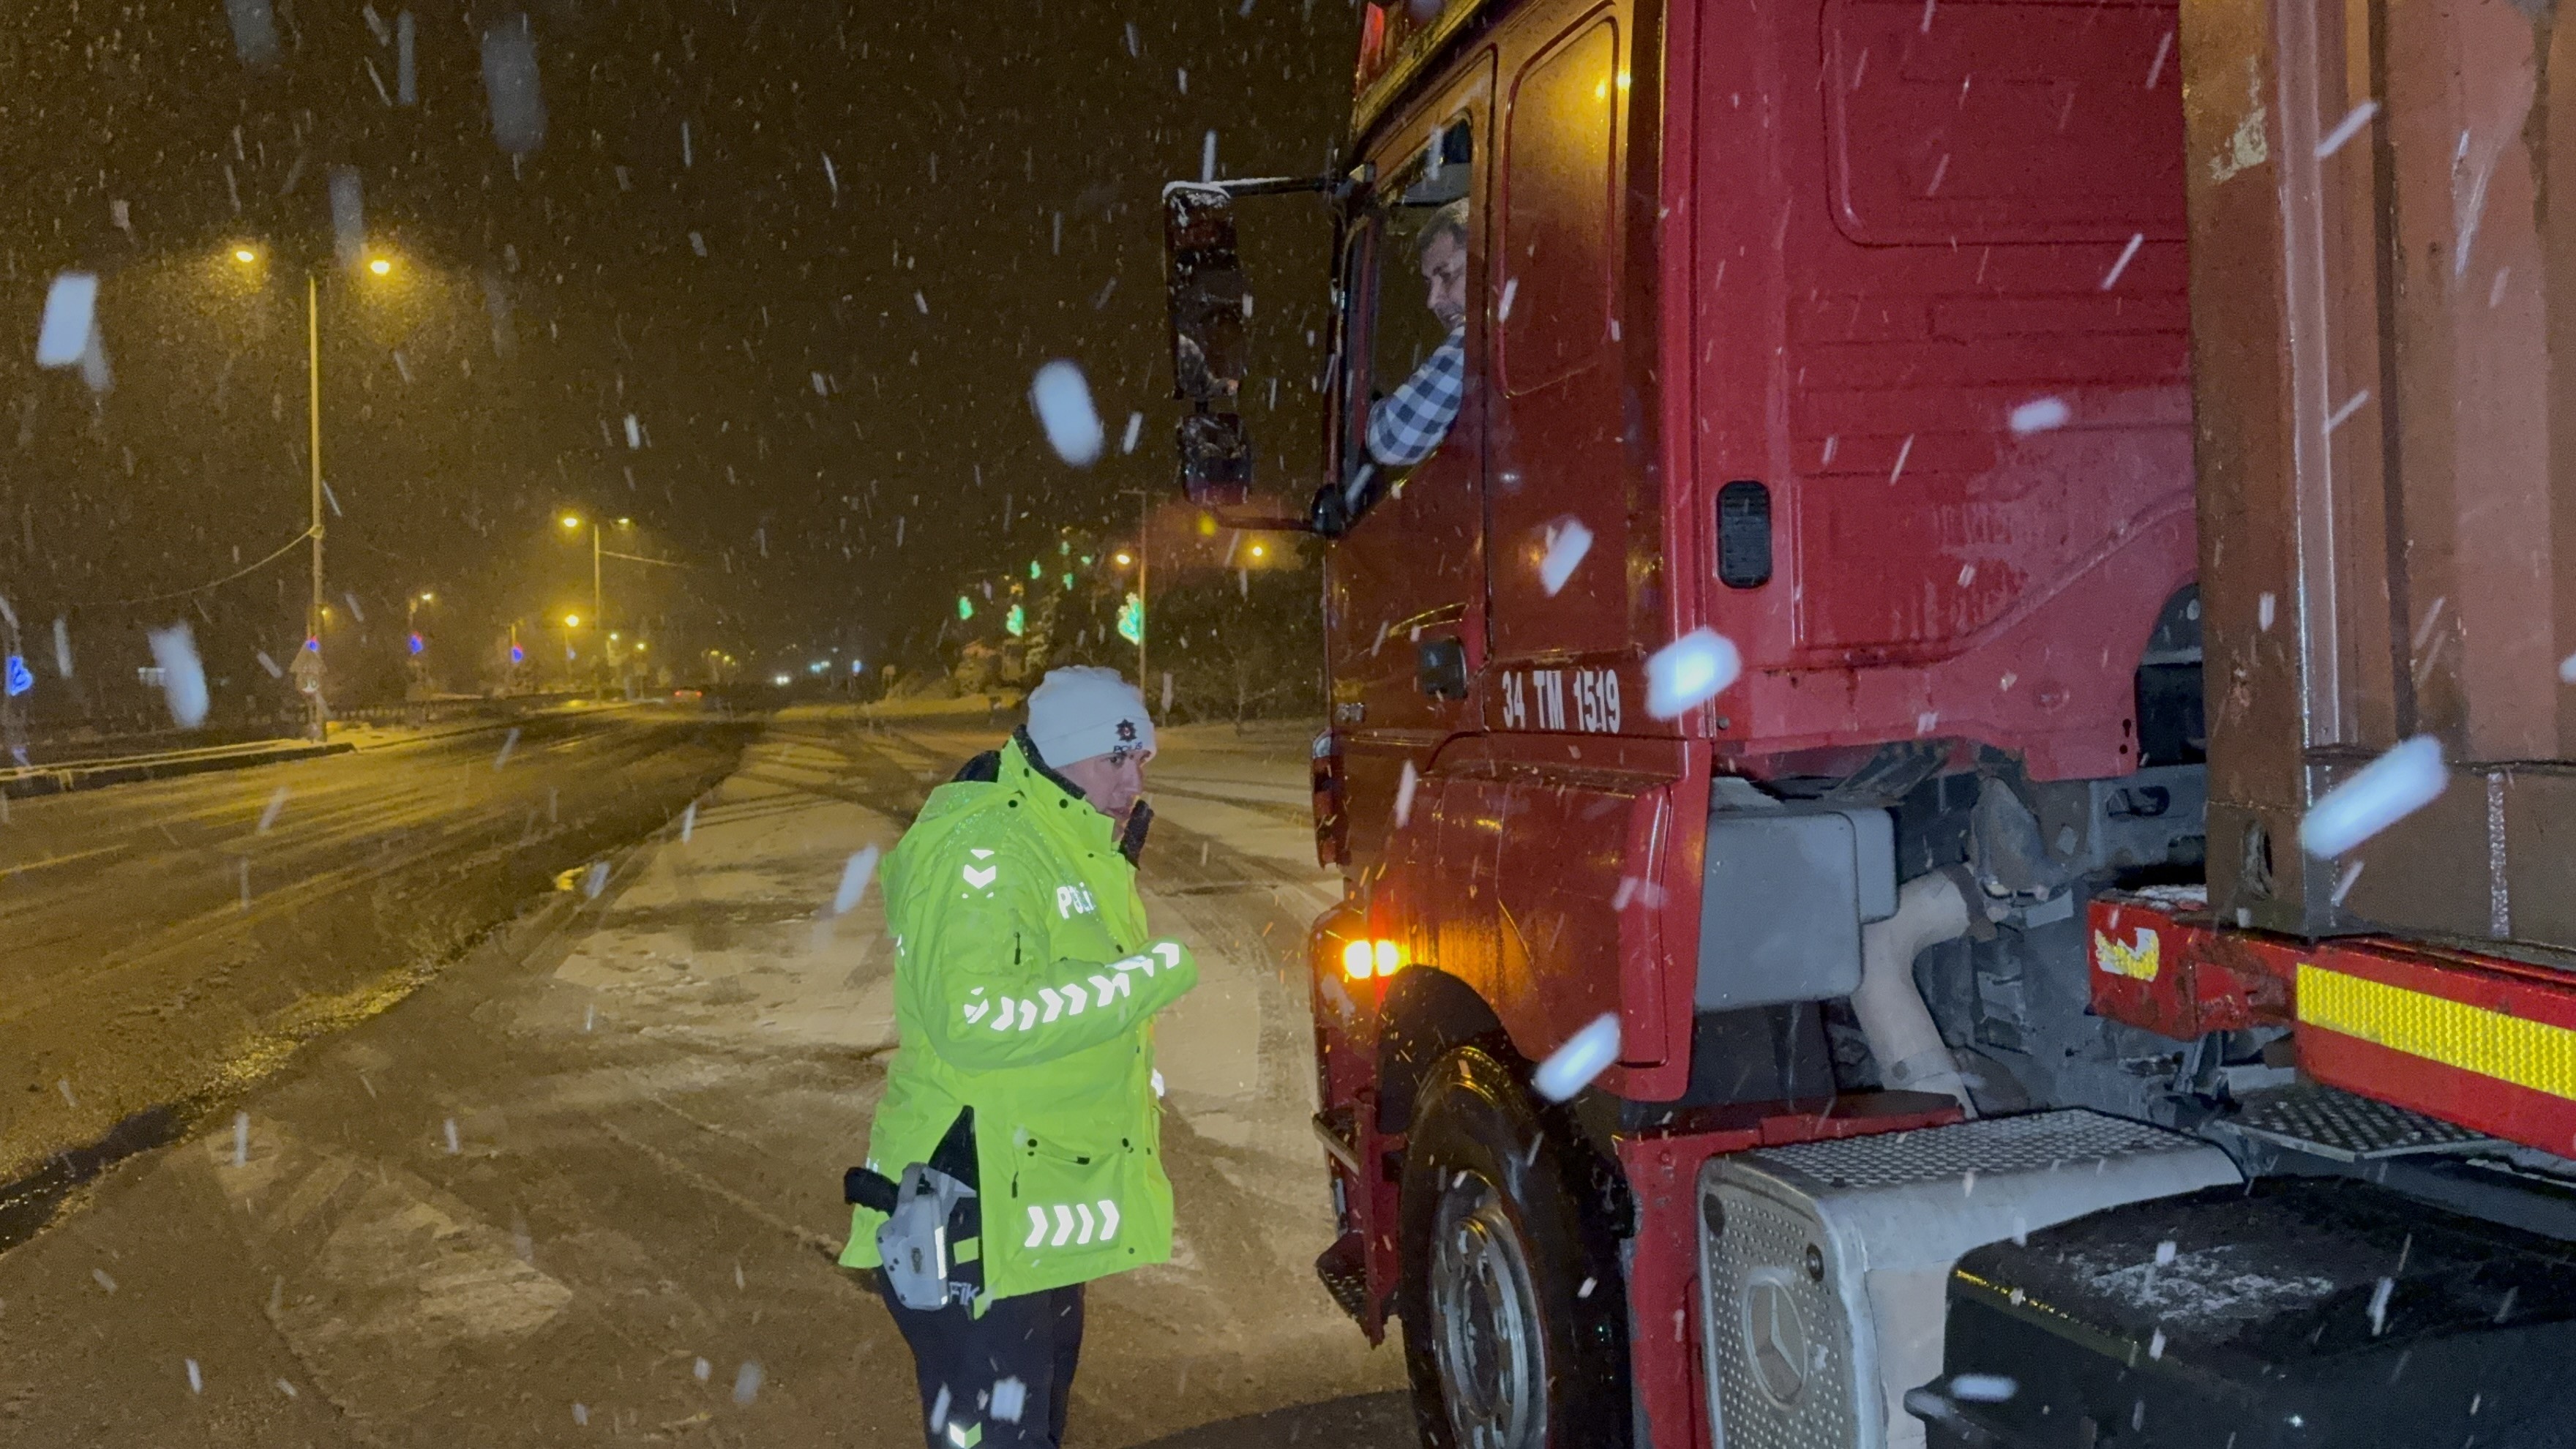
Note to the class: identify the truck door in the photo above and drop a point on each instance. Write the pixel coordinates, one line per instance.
(1405, 588)
(1569, 438)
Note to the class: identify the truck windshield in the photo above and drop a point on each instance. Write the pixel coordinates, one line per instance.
(1407, 387)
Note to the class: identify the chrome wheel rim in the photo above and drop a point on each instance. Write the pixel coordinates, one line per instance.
(1486, 1337)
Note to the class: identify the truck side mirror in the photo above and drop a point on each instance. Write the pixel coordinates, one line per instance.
(1203, 284)
(1216, 459)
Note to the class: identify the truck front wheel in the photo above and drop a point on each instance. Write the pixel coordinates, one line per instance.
(1513, 1318)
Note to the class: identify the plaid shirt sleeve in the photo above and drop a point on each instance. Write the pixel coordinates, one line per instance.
(1406, 425)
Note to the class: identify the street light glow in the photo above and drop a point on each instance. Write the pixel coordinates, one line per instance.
(1124, 558)
(571, 521)
(572, 621)
(245, 255)
(380, 266)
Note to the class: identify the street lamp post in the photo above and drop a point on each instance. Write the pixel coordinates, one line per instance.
(319, 726)
(411, 636)
(1144, 562)
(308, 661)
(573, 522)
(598, 604)
(598, 590)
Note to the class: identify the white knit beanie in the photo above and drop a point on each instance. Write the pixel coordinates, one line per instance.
(1079, 711)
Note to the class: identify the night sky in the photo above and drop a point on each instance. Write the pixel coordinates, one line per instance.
(816, 251)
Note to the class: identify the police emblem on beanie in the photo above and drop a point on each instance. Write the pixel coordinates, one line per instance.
(1081, 711)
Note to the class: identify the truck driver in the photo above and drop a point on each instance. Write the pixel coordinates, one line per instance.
(1407, 425)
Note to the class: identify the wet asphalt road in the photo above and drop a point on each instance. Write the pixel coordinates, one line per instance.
(165, 941)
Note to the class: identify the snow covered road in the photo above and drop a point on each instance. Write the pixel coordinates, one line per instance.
(575, 1185)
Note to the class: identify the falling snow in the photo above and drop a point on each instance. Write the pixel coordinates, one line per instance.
(855, 876)
(1585, 1055)
(1567, 542)
(1691, 670)
(70, 320)
(2040, 415)
(2383, 792)
(1062, 399)
(183, 677)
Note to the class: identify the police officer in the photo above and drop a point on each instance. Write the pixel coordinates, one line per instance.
(1026, 985)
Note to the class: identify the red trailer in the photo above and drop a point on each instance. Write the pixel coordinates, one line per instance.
(1859, 345)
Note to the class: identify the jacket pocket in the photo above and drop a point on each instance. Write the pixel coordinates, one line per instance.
(1068, 1203)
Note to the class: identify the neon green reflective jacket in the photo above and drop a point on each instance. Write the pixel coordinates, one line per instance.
(1025, 988)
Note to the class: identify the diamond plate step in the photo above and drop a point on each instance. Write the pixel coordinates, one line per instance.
(2348, 1127)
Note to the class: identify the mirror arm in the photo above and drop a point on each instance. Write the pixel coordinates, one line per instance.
(1256, 185)
(1263, 523)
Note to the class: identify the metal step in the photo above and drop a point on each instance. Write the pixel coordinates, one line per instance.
(1343, 1270)
(2348, 1127)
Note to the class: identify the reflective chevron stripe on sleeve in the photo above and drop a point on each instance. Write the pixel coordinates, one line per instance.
(1069, 999)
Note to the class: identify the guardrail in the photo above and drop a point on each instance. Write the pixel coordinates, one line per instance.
(56, 777)
(424, 711)
(69, 775)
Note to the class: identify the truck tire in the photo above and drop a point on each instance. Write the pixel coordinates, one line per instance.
(1514, 1319)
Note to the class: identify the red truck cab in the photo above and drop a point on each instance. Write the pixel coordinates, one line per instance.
(1853, 333)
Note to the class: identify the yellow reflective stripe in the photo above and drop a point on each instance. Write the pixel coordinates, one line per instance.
(2531, 1054)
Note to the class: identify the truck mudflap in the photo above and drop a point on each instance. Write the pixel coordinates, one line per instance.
(2477, 1040)
(1822, 1265)
(2308, 1312)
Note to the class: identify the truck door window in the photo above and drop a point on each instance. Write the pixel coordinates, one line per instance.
(1553, 247)
(1409, 385)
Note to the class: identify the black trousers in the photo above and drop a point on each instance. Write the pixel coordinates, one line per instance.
(967, 1366)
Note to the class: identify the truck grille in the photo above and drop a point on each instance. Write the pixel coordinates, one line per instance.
(1772, 1326)
(1823, 1264)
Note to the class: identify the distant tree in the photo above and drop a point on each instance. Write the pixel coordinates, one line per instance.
(1241, 645)
(978, 668)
